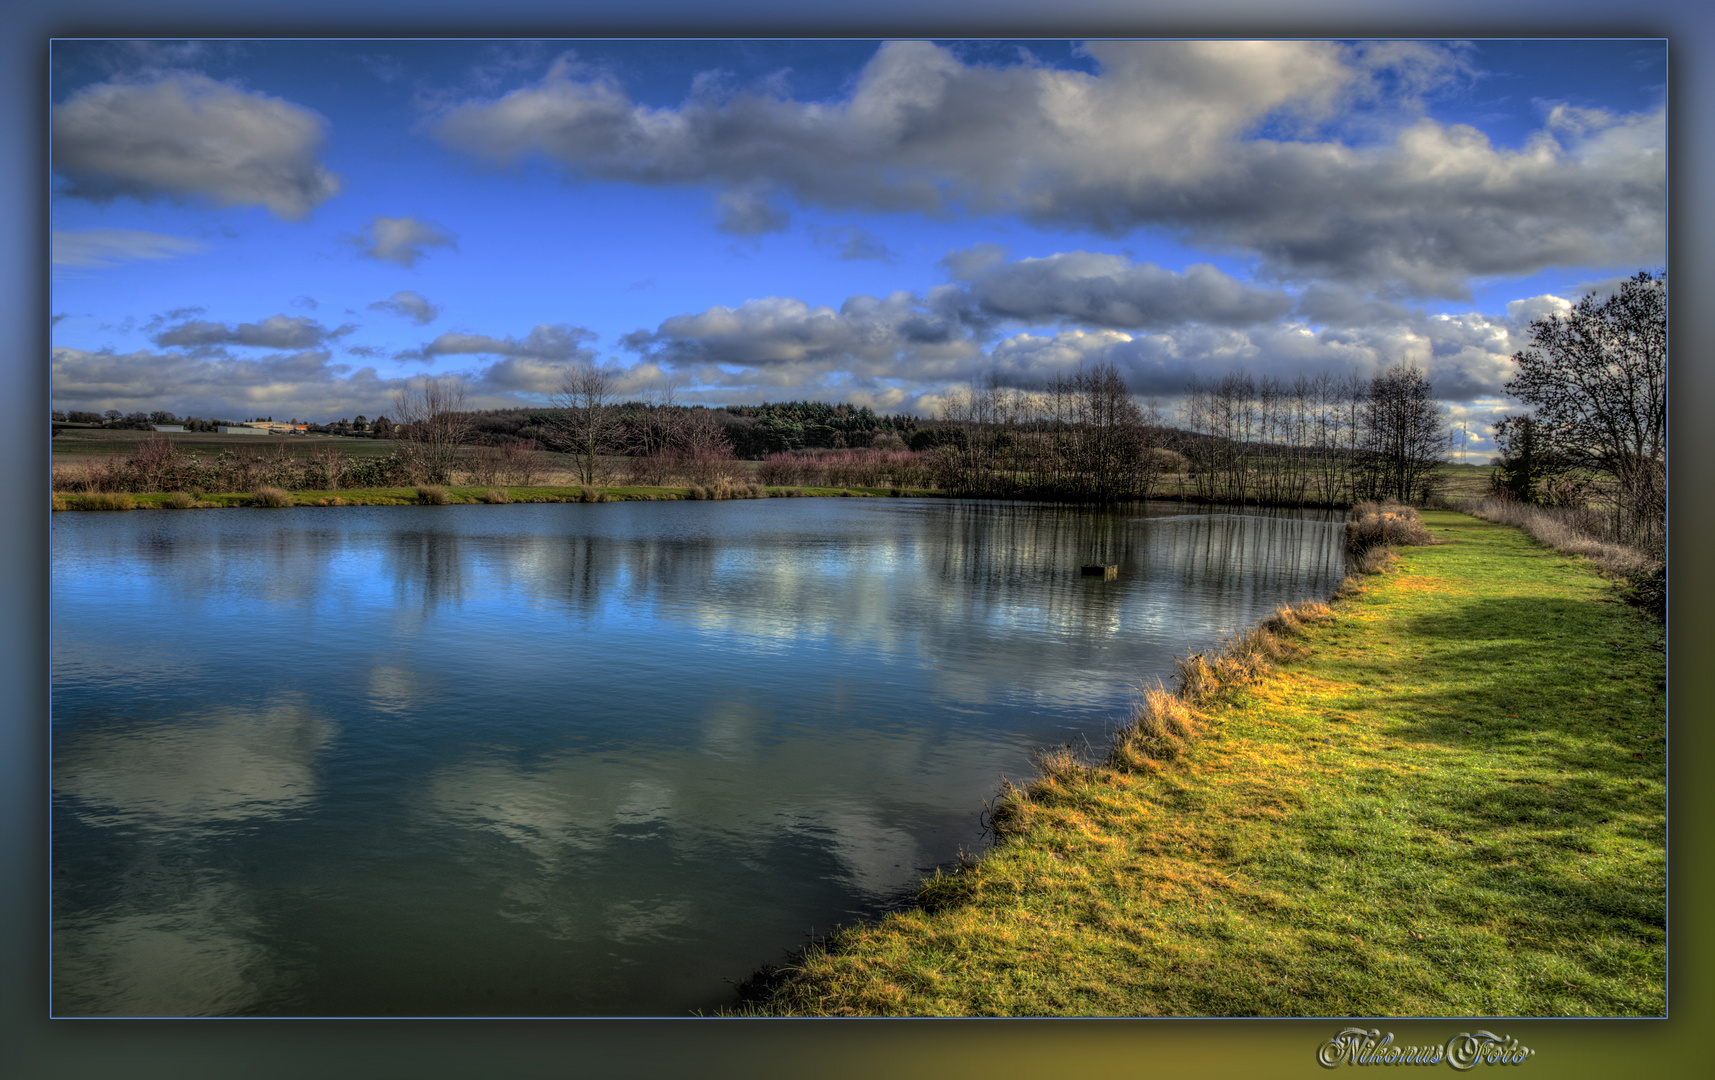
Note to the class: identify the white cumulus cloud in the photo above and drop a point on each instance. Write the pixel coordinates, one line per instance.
(183, 135)
(1259, 147)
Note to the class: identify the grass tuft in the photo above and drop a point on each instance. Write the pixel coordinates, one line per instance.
(271, 496)
(431, 495)
(106, 500)
(1376, 525)
(181, 500)
(495, 497)
(1159, 729)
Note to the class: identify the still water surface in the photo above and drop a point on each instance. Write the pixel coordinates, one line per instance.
(573, 759)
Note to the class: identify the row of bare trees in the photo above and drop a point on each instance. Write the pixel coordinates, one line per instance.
(1083, 436)
(663, 440)
(1080, 436)
(1321, 440)
(1325, 440)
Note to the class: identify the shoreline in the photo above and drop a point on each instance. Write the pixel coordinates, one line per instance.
(467, 495)
(475, 494)
(1385, 821)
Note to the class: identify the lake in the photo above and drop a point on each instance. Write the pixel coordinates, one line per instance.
(573, 759)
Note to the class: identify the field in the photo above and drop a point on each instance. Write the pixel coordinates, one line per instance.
(1466, 481)
(71, 443)
(1453, 806)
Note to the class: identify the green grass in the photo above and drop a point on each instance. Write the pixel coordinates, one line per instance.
(1455, 805)
(1465, 481)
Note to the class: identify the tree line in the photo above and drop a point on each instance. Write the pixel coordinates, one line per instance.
(1323, 441)
(1594, 379)
(1081, 436)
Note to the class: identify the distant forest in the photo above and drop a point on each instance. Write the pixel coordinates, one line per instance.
(752, 431)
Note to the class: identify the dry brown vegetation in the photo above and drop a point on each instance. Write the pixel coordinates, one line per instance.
(1376, 524)
(726, 489)
(1574, 530)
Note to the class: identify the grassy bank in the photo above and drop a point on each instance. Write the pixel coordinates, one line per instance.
(1454, 804)
(449, 494)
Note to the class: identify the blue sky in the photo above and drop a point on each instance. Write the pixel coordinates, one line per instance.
(294, 228)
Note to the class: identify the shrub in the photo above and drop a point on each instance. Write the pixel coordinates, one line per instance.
(514, 461)
(271, 496)
(181, 500)
(323, 466)
(695, 466)
(779, 469)
(389, 471)
(1376, 524)
(520, 462)
(151, 463)
(431, 495)
(1648, 591)
(1374, 560)
(649, 470)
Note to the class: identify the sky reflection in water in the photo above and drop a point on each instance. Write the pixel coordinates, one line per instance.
(572, 759)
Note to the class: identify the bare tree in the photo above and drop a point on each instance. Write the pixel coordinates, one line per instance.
(1597, 381)
(586, 426)
(432, 422)
(1112, 434)
(1405, 434)
(652, 428)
